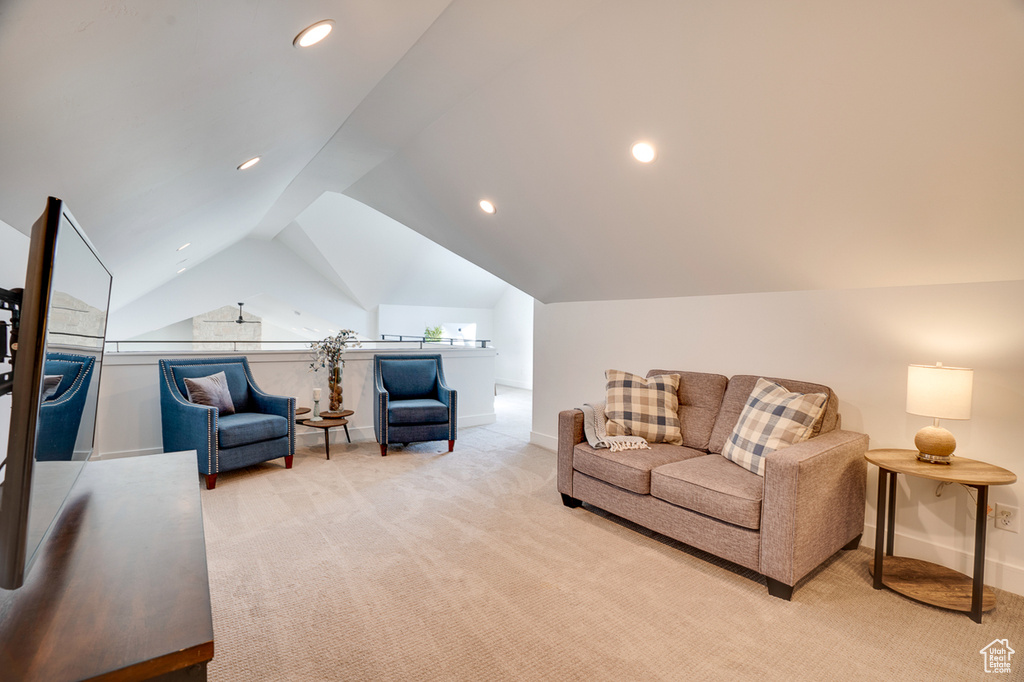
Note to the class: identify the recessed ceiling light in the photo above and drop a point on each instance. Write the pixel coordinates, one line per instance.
(181, 271)
(644, 152)
(313, 34)
(184, 246)
(487, 207)
(250, 163)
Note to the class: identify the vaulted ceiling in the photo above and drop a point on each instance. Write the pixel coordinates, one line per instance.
(800, 145)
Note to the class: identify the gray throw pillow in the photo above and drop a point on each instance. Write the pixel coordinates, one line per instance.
(212, 391)
(51, 382)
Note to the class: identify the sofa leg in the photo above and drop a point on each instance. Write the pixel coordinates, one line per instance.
(570, 502)
(383, 449)
(288, 461)
(779, 589)
(211, 481)
(854, 543)
(451, 445)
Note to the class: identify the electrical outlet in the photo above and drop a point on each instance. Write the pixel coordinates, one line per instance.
(1007, 518)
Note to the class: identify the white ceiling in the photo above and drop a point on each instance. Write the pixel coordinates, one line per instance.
(801, 146)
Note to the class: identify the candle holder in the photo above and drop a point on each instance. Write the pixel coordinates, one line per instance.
(316, 411)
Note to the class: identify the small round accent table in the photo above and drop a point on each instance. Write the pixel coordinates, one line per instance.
(327, 425)
(327, 422)
(343, 416)
(922, 580)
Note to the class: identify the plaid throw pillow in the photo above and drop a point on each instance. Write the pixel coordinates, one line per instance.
(648, 408)
(772, 419)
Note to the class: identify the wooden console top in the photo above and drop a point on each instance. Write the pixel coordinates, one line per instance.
(120, 589)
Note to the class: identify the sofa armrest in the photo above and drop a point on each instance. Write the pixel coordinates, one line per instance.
(570, 433)
(813, 505)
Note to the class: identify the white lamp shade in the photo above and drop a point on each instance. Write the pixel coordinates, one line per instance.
(939, 392)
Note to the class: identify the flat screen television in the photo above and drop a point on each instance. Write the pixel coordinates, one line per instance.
(57, 328)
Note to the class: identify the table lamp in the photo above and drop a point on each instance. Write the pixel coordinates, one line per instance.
(940, 393)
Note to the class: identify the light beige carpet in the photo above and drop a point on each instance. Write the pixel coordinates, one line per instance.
(426, 565)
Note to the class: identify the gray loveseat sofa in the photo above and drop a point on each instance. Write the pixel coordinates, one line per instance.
(807, 506)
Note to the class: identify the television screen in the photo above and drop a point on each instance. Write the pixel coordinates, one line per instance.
(56, 375)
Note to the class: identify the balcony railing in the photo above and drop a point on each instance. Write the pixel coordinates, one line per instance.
(404, 338)
(386, 341)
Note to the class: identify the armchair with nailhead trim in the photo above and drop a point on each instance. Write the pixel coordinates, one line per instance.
(412, 402)
(262, 427)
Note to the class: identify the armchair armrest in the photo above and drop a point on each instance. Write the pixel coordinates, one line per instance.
(187, 426)
(570, 433)
(380, 410)
(813, 504)
(280, 405)
(449, 396)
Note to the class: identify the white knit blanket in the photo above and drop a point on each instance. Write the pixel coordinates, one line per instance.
(594, 430)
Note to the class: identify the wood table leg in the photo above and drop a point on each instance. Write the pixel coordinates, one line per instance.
(347, 437)
(880, 528)
(327, 442)
(978, 591)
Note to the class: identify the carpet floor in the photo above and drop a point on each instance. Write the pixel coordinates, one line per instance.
(425, 565)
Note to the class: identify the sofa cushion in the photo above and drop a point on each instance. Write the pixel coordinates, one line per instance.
(417, 411)
(243, 428)
(648, 408)
(713, 486)
(628, 469)
(740, 388)
(700, 398)
(772, 419)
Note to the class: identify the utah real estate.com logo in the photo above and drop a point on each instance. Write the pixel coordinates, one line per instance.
(997, 656)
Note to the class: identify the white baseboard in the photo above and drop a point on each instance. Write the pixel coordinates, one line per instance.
(128, 453)
(512, 383)
(545, 441)
(997, 573)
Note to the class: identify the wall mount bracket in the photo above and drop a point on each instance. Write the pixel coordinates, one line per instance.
(9, 300)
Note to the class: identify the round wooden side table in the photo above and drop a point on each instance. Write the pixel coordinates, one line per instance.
(923, 580)
(326, 425)
(327, 422)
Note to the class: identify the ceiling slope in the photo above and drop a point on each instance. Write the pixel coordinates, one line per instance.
(841, 144)
(382, 261)
(860, 144)
(137, 113)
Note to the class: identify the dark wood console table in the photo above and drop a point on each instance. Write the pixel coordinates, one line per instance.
(120, 589)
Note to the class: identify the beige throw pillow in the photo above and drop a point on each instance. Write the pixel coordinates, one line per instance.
(648, 408)
(772, 419)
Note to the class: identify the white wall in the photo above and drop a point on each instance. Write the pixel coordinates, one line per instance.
(513, 338)
(128, 420)
(412, 320)
(859, 342)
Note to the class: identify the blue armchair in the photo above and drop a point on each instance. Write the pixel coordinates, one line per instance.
(412, 403)
(261, 429)
(60, 414)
